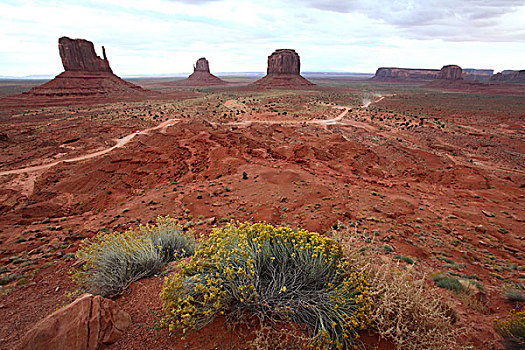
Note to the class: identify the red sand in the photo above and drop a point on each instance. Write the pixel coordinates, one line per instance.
(423, 189)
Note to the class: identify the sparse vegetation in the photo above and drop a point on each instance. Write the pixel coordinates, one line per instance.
(512, 329)
(275, 273)
(404, 309)
(112, 261)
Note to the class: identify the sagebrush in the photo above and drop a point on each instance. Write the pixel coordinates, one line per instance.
(277, 274)
(512, 329)
(112, 261)
(404, 309)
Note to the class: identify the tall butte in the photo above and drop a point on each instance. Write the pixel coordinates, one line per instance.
(85, 74)
(201, 75)
(284, 67)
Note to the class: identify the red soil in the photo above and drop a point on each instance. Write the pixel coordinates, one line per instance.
(422, 188)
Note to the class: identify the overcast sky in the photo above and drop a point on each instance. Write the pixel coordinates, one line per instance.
(168, 36)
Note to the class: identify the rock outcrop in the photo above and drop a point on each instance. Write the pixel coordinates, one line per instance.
(481, 75)
(284, 67)
(89, 323)
(517, 76)
(201, 75)
(394, 74)
(79, 55)
(450, 72)
(85, 75)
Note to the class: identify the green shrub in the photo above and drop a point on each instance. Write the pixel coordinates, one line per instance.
(278, 274)
(112, 261)
(512, 329)
(451, 283)
(406, 259)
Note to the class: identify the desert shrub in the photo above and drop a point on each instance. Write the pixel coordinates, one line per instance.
(404, 309)
(514, 292)
(451, 283)
(112, 261)
(277, 274)
(512, 329)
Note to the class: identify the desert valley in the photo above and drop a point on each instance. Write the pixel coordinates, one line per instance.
(420, 170)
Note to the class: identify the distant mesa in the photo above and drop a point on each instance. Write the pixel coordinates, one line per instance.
(201, 75)
(509, 76)
(481, 75)
(85, 74)
(395, 74)
(284, 68)
(451, 72)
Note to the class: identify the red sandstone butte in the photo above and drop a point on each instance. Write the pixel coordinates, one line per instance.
(79, 55)
(450, 72)
(284, 68)
(85, 74)
(201, 75)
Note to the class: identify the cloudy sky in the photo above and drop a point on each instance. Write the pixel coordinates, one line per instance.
(168, 36)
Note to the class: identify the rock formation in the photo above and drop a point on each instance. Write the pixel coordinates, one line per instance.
(481, 75)
(284, 67)
(517, 76)
(89, 323)
(405, 74)
(201, 75)
(450, 72)
(85, 75)
(79, 55)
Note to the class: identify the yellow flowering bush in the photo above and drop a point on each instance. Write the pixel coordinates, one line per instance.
(276, 273)
(512, 329)
(112, 261)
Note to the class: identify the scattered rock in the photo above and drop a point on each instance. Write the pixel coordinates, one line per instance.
(489, 214)
(3, 137)
(90, 322)
(480, 228)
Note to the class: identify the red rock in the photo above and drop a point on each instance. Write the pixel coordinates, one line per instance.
(202, 65)
(88, 323)
(405, 74)
(451, 72)
(284, 61)
(201, 75)
(85, 75)
(79, 55)
(283, 70)
(509, 76)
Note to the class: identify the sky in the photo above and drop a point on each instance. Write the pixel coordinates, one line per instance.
(149, 37)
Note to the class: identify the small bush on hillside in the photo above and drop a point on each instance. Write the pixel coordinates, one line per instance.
(514, 292)
(279, 275)
(404, 309)
(512, 329)
(451, 283)
(112, 261)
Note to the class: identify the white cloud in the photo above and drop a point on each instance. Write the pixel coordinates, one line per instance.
(167, 36)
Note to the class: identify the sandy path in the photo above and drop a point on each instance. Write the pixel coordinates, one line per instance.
(370, 102)
(120, 143)
(164, 125)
